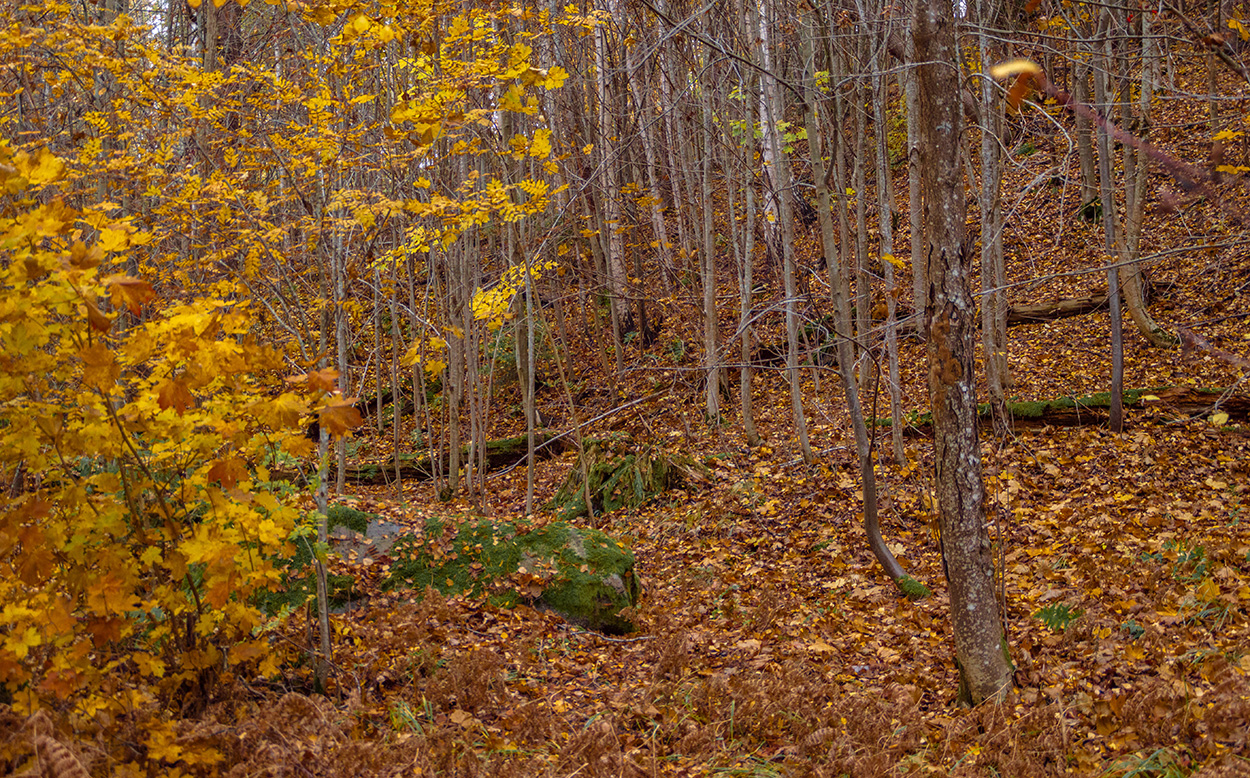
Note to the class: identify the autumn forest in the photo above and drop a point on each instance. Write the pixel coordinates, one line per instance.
(630, 388)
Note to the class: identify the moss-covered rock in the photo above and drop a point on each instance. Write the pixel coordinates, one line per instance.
(582, 574)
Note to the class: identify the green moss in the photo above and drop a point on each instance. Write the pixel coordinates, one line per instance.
(299, 583)
(586, 576)
(343, 516)
(914, 589)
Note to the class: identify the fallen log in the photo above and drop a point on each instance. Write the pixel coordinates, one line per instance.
(1094, 408)
(822, 352)
(1032, 313)
(499, 454)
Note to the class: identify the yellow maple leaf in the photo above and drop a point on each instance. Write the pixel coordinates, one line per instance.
(556, 77)
(44, 169)
(20, 642)
(284, 410)
(114, 238)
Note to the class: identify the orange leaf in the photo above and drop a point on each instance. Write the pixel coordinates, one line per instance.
(1019, 90)
(130, 291)
(326, 380)
(99, 367)
(284, 410)
(340, 415)
(99, 322)
(174, 394)
(228, 471)
(85, 258)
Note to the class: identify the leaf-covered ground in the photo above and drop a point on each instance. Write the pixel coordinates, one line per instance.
(771, 643)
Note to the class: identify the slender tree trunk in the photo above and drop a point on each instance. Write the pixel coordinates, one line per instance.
(993, 268)
(1084, 135)
(781, 172)
(742, 160)
(980, 647)
(1136, 174)
(646, 133)
(863, 273)
(711, 327)
(1110, 224)
(912, 96)
(842, 312)
(609, 165)
(885, 225)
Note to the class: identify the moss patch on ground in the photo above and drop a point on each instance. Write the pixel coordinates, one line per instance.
(582, 574)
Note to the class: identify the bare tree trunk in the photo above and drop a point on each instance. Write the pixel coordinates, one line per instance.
(863, 273)
(646, 133)
(742, 160)
(912, 96)
(993, 268)
(781, 178)
(321, 500)
(842, 313)
(885, 224)
(1084, 135)
(711, 327)
(980, 647)
(1110, 227)
(1136, 172)
(610, 187)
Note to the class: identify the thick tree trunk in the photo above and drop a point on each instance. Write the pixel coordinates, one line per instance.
(980, 646)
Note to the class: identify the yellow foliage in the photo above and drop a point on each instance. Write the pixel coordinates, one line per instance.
(144, 522)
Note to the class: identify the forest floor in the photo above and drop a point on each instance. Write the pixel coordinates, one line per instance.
(770, 640)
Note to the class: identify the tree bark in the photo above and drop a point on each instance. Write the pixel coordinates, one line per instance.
(842, 314)
(885, 225)
(1110, 226)
(993, 268)
(980, 646)
(781, 199)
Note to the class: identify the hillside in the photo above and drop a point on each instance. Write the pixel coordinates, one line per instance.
(381, 221)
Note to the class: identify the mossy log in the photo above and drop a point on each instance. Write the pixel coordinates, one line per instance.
(1033, 313)
(501, 453)
(1094, 408)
